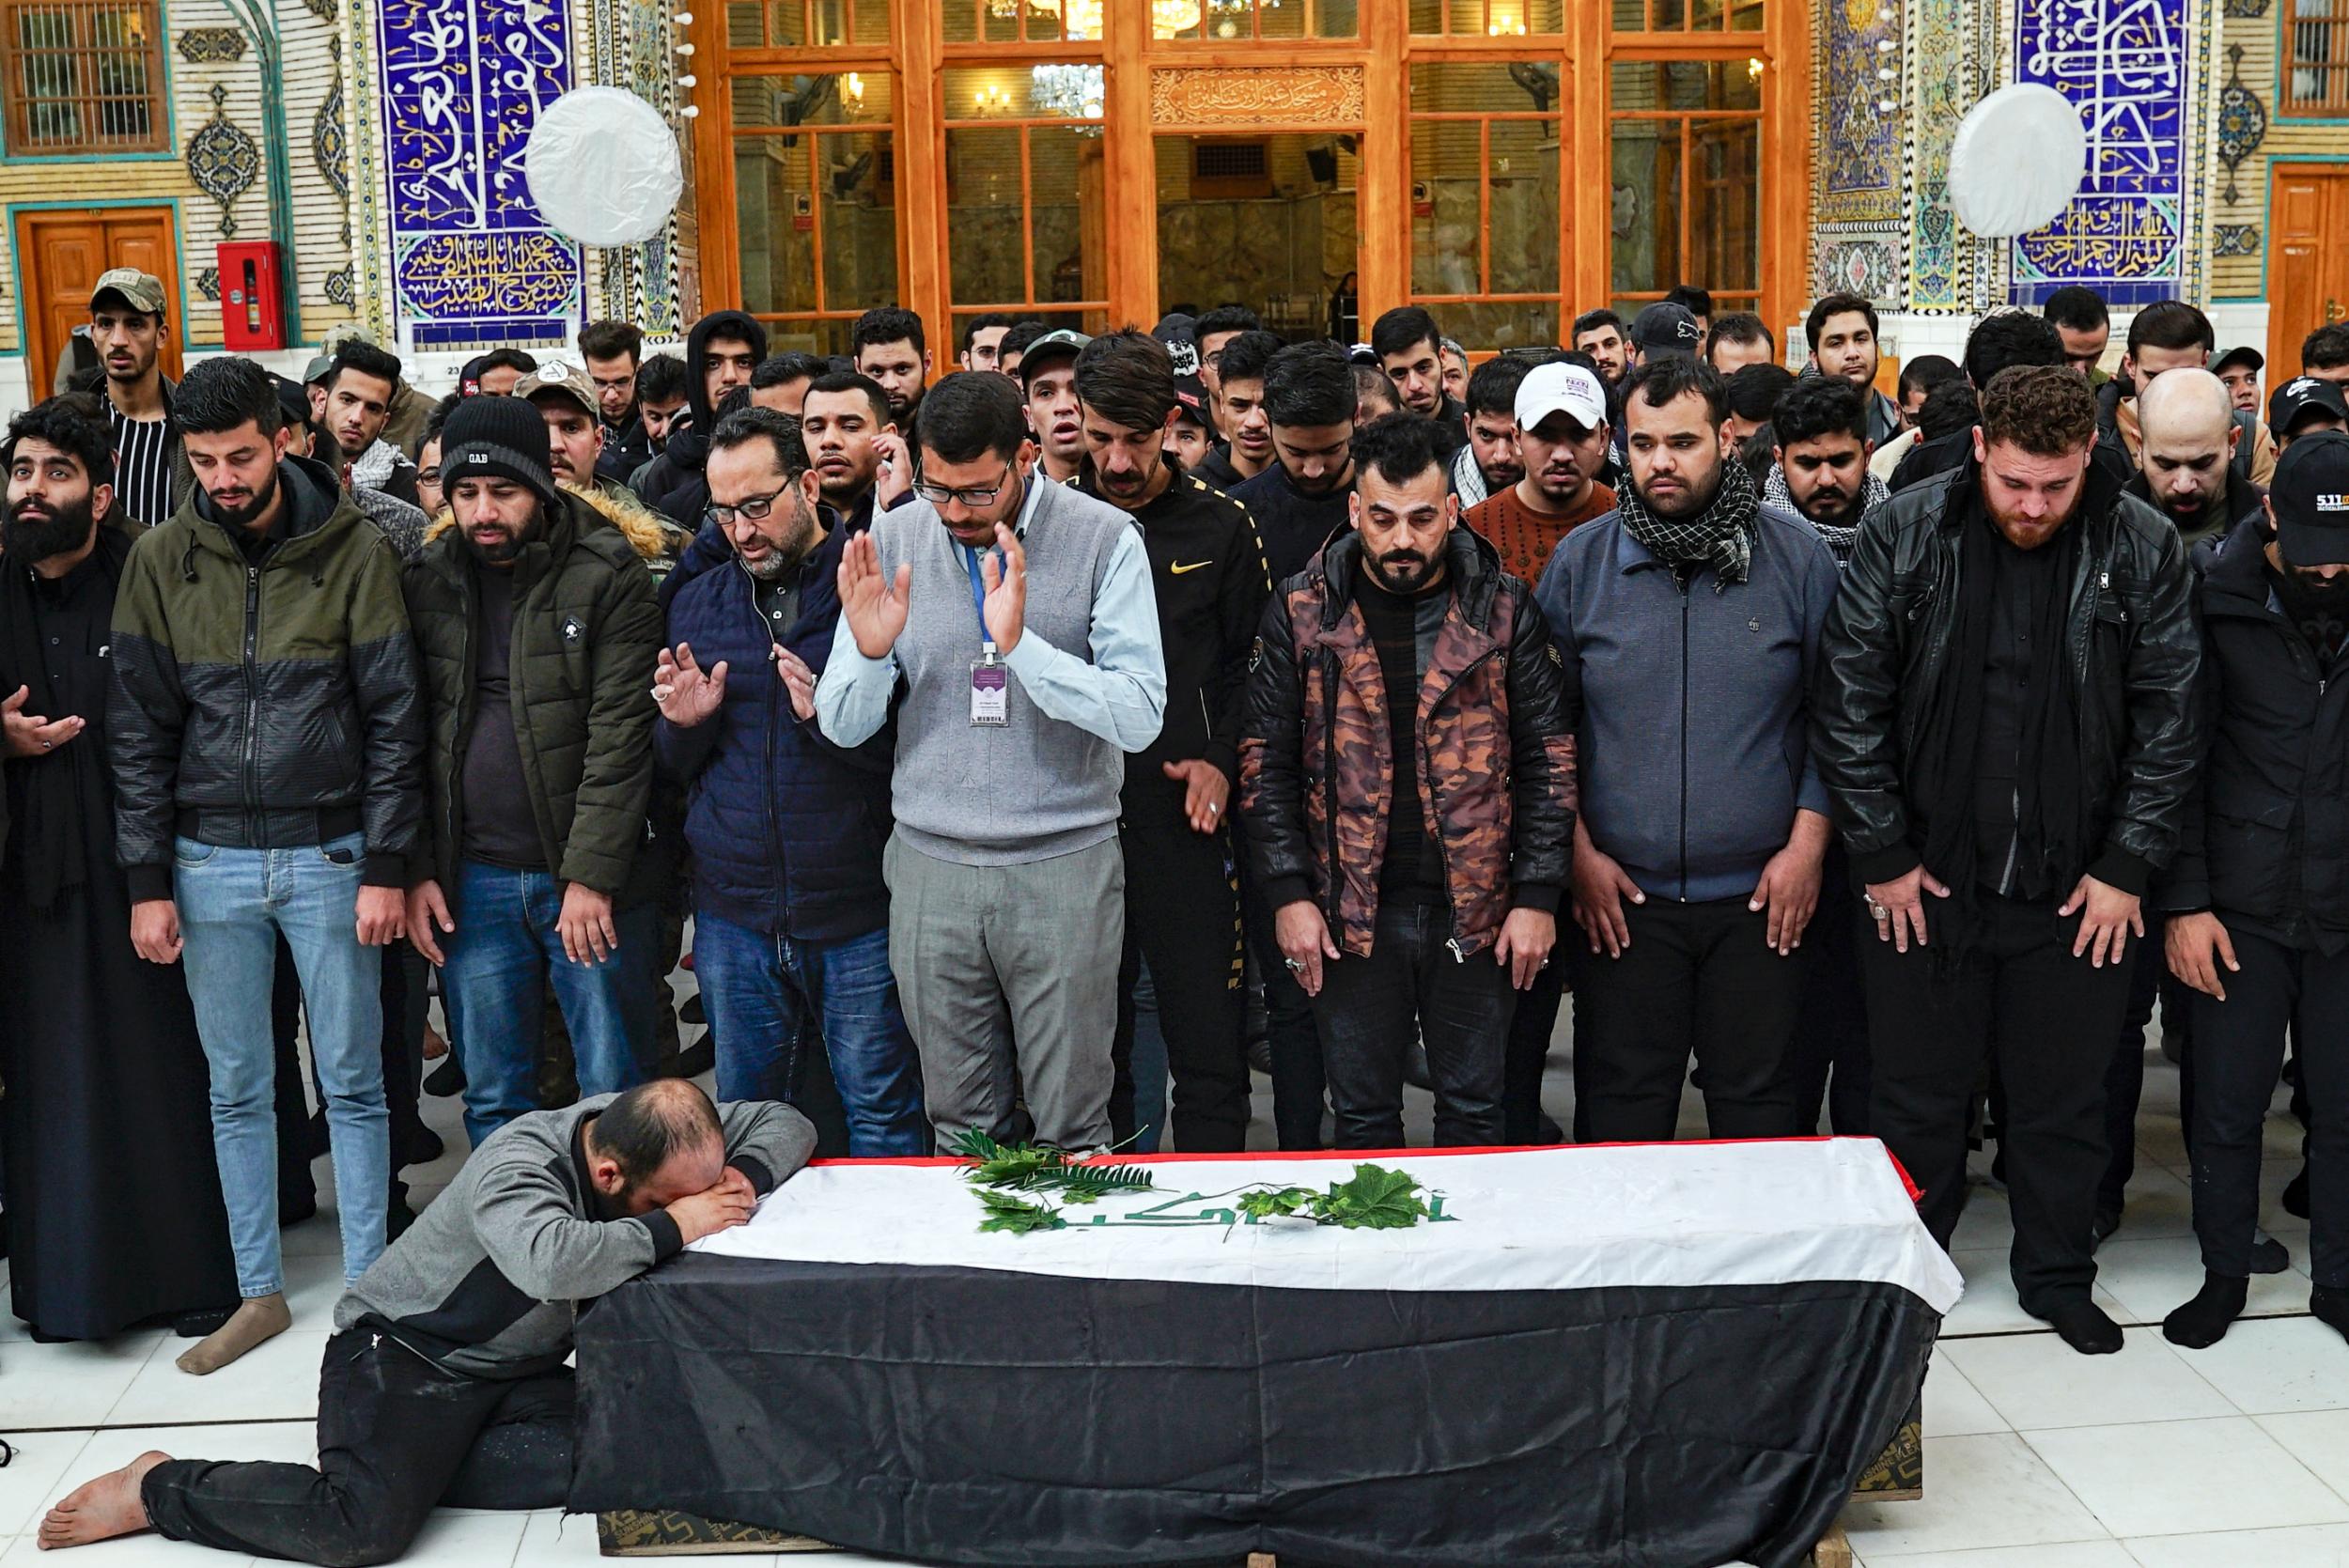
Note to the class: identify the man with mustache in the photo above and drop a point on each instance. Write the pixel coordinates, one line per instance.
(126, 322)
(100, 1051)
(853, 445)
(2259, 913)
(1236, 406)
(1820, 471)
(1305, 496)
(2008, 729)
(1182, 910)
(2187, 435)
(1408, 680)
(1489, 464)
(1562, 444)
(536, 625)
(1689, 623)
(264, 736)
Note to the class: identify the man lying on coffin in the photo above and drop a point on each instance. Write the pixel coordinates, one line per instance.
(445, 1382)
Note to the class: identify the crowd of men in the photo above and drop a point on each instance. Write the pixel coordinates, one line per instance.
(1018, 740)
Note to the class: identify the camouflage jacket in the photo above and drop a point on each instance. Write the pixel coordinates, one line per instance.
(1496, 772)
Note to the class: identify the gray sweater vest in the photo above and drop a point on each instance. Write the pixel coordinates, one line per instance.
(1036, 787)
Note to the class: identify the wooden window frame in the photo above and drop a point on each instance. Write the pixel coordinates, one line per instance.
(815, 132)
(2334, 104)
(1024, 124)
(15, 87)
(1560, 118)
(1690, 123)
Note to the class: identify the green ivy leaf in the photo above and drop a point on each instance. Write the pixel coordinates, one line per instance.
(1017, 1215)
(1377, 1199)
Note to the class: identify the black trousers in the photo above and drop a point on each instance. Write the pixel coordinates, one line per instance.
(1292, 1036)
(1530, 1031)
(1182, 916)
(1696, 978)
(397, 1436)
(2051, 1019)
(2239, 1051)
(1411, 986)
(2152, 989)
(1830, 1042)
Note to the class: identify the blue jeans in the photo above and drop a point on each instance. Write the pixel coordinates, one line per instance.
(501, 957)
(771, 997)
(233, 905)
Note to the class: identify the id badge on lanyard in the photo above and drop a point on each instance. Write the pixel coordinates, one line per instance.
(990, 677)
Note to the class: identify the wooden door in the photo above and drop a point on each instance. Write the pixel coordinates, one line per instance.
(2307, 259)
(64, 252)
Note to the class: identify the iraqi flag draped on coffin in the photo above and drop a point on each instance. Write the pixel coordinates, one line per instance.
(1672, 1355)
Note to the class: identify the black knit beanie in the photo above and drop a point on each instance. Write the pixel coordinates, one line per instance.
(503, 437)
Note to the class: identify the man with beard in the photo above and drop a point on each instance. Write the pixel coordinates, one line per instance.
(1182, 906)
(1306, 495)
(1409, 347)
(983, 340)
(1235, 402)
(2008, 730)
(791, 912)
(126, 322)
(359, 388)
(1047, 375)
(2165, 336)
(891, 351)
(661, 403)
(1820, 460)
(1841, 329)
(100, 1051)
(535, 625)
(264, 737)
(1488, 463)
(1601, 335)
(848, 436)
(720, 353)
(1561, 420)
(1014, 719)
(1689, 625)
(1427, 900)
(2259, 916)
(2186, 441)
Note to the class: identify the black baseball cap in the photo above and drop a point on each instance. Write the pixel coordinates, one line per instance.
(2300, 396)
(2310, 497)
(2243, 354)
(1052, 348)
(1665, 328)
(1190, 401)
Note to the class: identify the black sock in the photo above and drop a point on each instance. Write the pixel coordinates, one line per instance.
(2085, 1327)
(2329, 1304)
(2203, 1322)
(2296, 1195)
(2268, 1255)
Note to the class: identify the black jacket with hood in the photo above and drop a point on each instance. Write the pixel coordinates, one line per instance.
(674, 485)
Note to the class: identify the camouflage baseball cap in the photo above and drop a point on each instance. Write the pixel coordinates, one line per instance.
(568, 381)
(142, 291)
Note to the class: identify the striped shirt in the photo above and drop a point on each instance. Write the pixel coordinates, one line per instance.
(142, 466)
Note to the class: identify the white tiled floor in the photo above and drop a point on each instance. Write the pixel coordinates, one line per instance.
(2233, 1457)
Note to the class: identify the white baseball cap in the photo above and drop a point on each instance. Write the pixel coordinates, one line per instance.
(1549, 388)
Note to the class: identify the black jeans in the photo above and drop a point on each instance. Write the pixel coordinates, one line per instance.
(2152, 989)
(1831, 1023)
(1292, 1037)
(2051, 1019)
(1182, 915)
(2238, 1052)
(1412, 986)
(397, 1436)
(1530, 1030)
(1696, 977)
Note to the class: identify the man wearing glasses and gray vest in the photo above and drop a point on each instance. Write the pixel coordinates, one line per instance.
(1033, 668)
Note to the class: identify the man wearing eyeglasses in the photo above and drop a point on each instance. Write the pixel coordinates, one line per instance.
(1034, 667)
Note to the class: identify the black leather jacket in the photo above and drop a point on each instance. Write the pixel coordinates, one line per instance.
(2136, 654)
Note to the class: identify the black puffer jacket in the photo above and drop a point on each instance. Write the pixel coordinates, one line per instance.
(674, 485)
(2266, 824)
(2135, 655)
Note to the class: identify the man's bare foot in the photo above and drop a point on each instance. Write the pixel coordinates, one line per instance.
(103, 1509)
(259, 1318)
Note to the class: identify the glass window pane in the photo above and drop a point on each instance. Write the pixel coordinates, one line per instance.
(1507, 18)
(775, 223)
(1501, 324)
(809, 336)
(858, 197)
(1447, 226)
(1745, 16)
(1457, 86)
(1281, 250)
(1646, 198)
(787, 22)
(1522, 173)
(962, 21)
(1017, 92)
(851, 97)
(1175, 19)
(743, 24)
(828, 22)
(1066, 196)
(1428, 17)
(1336, 18)
(983, 215)
(1686, 85)
(1275, 20)
(872, 21)
(1724, 214)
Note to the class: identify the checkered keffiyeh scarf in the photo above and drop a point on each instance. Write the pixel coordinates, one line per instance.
(1721, 536)
(1873, 492)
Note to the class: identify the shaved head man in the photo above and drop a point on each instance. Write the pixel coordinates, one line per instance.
(2186, 418)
